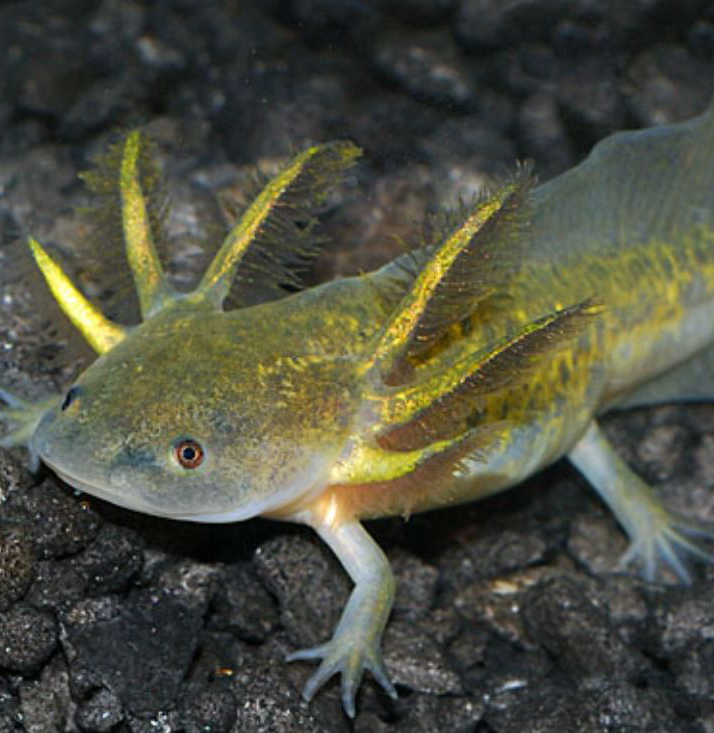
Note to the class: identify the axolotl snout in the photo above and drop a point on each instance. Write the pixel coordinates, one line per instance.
(451, 373)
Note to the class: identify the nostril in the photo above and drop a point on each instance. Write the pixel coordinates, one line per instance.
(70, 397)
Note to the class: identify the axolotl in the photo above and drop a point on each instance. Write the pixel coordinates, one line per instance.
(453, 372)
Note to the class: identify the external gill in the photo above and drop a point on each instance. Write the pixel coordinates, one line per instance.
(306, 179)
(476, 257)
(152, 287)
(408, 409)
(436, 406)
(272, 235)
(416, 437)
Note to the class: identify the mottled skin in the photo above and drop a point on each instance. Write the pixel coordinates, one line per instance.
(440, 378)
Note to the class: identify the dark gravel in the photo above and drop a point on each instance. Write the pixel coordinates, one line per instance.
(27, 638)
(510, 616)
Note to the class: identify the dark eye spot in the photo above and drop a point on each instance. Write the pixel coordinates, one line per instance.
(70, 397)
(189, 453)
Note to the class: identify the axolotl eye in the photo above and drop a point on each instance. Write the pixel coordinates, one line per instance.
(189, 453)
(70, 397)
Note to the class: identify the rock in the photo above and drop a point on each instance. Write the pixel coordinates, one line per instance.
(543, 136)
(27, 638)
(99, 105)
(100, 714)
(700, 39)
(218, 656)
(464, 154)
(692, 670)
(59, 523)
(110, 563)
(192, 583)
(687, 620)
(613, 705)
(597, 543)
(415, 661)
(495, 606)
(666, 84)
(13, 476)
(140, 648)
(209, 708)
(10, 715)
(280, 111)
(323, 22)
(266, 703)
(419, 12)
(17, 565)
(661, 450)
(56, 585)
(244, 606)
(310, 587)
(416, 586)
(559, 617)
(45, 72)
(494, 551)
(490, 24)
(166, 721)
(389, 125)
(45, 702)
(590, 102)
(425, 713)
(427, 68)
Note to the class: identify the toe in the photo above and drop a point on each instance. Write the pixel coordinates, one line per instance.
(379, 672)
(315, 652)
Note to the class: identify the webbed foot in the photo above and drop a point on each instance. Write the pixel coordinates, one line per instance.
(348, 653)
(668, 540)
(658, 538)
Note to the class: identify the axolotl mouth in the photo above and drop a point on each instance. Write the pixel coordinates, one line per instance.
(119, 495)
(107, 494)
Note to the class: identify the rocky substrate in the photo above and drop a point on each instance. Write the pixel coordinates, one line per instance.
(511, 615)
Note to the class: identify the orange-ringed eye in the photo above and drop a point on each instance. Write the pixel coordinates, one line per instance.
(189, 453)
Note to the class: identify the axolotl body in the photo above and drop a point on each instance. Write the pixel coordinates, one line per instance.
(453, 372)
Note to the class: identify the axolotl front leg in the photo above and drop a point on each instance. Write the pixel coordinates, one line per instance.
(356, 642)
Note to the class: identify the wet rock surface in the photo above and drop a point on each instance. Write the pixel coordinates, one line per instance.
(512, 614)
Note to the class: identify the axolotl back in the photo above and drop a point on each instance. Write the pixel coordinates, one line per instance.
(451, 373)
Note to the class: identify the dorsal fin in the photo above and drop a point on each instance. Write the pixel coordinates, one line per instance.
(477, 256)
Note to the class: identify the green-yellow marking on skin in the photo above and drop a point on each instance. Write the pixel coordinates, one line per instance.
(399, 331)
(217, 280)
(151, 286)
(101, 334)
(401, 406)
(367, 463)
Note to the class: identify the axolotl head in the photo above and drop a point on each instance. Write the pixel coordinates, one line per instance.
(200, 412)
(201, 415)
